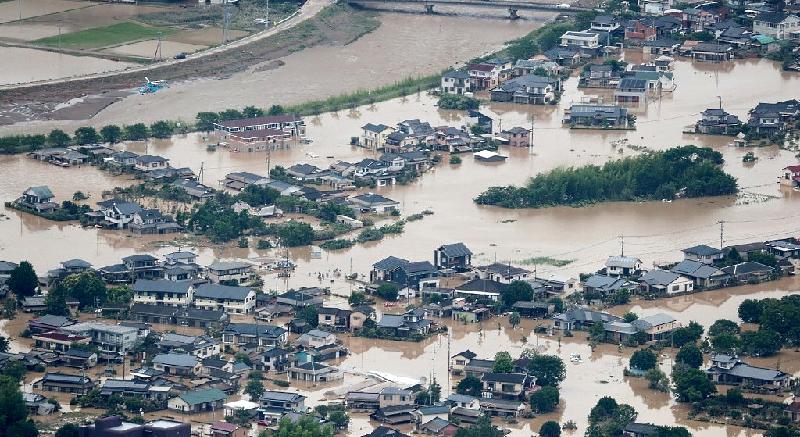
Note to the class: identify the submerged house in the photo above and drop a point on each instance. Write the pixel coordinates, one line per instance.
(597, 117)
(716, 121)
(727, 369)
(529, 89)
(581, 319)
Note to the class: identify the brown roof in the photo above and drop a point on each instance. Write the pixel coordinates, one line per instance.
(481, 67)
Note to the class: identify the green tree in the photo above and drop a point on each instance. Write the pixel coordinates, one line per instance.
(657, 380)
(630, 317)
(230, 114)
(309, 314)
(734, 397)
(294, 233)
(111, 133)
(161, 129)
(621, 297)
(58, 138)
(23, 280)
(723, 326)
(643, 359)
(68, 430)
(750, 310)
(14, 369)
(14, 420)
(275, 110)
(120, 294)
(514, 319)
(357, 298)
(470, 386)
(338, 419)
(503, 363)
(86, 135)
(691, 385)
(56, 301)
(761, 343)
(87, 288)
(597, 332)
(550, 429)
(726, 343)
(687, 334)
(607, 418)
(690, 355)
(252, 111)
(136, 132)
(255, 389)
(558, 303)
(548, 369)
(545, 399)
(242, 357)
(780, 431)
(204, 121)
(3, 344)
(328, 211)
(516, 291)
(387, 292)
(255, 195)
(305, 426)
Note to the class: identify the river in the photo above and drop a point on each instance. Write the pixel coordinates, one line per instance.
(653, 231)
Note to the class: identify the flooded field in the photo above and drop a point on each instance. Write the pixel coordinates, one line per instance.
(147, 49)
(16, 10)
(41, 64)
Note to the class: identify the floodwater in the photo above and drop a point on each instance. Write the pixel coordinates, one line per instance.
(403, 46)
(42, 64)
(653, 231)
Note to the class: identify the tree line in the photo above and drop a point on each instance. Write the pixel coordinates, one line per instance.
(688, 171)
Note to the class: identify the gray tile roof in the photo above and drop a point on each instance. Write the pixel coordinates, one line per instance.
(161, 286)
(216, 291)
(455, 250)
(179, 360)
(702, 250)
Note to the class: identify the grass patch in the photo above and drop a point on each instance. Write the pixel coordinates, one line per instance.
(366, 97)
(546, 260)
(112, 35)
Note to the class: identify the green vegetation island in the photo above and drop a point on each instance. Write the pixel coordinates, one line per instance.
(686, 171)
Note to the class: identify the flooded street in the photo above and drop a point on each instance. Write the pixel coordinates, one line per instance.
(653, 231)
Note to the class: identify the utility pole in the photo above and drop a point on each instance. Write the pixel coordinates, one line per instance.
(202, 164)
(622, 245)
(530, 139)
(720, 101)
(721, 233)
(269, 155)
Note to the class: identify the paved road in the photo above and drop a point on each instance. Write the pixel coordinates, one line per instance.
(310, 9)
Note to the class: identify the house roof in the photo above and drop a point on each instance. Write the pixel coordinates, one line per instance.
(483, 285)
(283, 396)
(179, 360)
(601, 282)
(512, 378)
(435, 425)
(217, 291)
(384, 431)
(659, 277)
(51, 320)
(122, 206)
(161, 286)
(228, 265)
(626, 262)
(391, 321)
(456, 74)
(584, 315)
(374, 199)
(468, 354)
(632, 83)
(653, 320)
(598, 110)
(746, 268)
(42, 191)
(139, 257)
(195, 397)
(417, 267)
(455, 250)
(64, 378)
(696, 269)
(376, 128)
(702, 250)
(503, 269)
(253, 329)
(258, 121)
(146, 159)
(773, 17)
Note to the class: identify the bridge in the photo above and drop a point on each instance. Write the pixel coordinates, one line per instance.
(513, 7)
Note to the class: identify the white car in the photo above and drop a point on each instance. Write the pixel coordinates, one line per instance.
(563, 6)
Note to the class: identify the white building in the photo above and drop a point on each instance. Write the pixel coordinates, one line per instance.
(230, 271)
(589, 40)
(778, 25)
(232, 300)
(107, 337)
(163, 292)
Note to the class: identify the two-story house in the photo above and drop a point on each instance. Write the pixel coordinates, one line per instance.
(529, 89)
(230, 272)
(452, 256)
(779, 25)
(118, 213)
(148, 163)
(239, 334)
(373, 136)
(456, 82)
(623, 266)
(163, 292)
(177, 364)
(108, 338)
(231, 299)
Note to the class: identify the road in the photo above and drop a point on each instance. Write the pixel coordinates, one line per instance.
(309, 10)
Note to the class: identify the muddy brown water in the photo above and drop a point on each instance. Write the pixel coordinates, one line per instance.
(654, 231)
(42, 64)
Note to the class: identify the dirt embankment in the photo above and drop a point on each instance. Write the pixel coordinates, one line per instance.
(338, 24)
